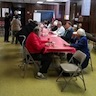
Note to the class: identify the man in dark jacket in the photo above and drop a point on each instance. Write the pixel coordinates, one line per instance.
(26, 30)
(7, 27)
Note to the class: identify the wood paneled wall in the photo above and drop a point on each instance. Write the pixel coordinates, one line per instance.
(93, 17)
(89, 22)
(76, 7)
(73, 11)
(4, 5)
(29, 9)
(62, 12)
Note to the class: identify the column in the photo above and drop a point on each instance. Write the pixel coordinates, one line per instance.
(67, 10)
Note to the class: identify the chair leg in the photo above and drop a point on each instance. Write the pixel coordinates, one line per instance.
(24, 69)
(83, 80)
(67, 82)
(71, 79)
(91, 63)
(64, 87)
(59, 76)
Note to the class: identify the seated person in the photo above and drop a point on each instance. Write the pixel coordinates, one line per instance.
(60, 30)
(36, 48)
(80, 43)
(68, 32)
(54, 25)
(45, 23)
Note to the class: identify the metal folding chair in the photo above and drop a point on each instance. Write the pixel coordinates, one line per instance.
(73, 69)
(90, 46)
(29, 60)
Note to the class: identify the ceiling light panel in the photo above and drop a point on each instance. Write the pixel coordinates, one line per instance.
(56, 0)
(50, 0)
(40, 2)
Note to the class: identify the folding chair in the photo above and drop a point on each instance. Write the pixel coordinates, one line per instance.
(90, 46)
(22, 66)
(23, 41)
(29, 61)
(27, 58)
(73, 69)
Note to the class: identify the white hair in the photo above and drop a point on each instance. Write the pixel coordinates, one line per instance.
(55, 22)
(59, 22)
(81, 32)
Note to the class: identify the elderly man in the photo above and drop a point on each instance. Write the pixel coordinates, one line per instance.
(60, 31)
(69, 31)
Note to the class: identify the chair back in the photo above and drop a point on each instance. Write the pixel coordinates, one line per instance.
(90, 47)
(79, 56)
(24, 38)
(29, 59)
(28, 56)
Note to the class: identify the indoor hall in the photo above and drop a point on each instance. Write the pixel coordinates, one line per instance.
(11, 81)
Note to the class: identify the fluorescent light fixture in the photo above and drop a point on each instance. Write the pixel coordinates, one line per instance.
(40, 2)
(65, 0)
(57, 0)
(50, 0)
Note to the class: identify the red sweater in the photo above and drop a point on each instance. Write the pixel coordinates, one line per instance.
(34, 43)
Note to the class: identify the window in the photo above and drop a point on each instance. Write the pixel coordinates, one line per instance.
(41, 15)
(4, 10)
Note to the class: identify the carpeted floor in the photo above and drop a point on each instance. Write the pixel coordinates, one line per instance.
(12, 83)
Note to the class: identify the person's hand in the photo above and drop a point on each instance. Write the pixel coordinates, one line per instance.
(66, 44)
(74, 34)
(47, 44)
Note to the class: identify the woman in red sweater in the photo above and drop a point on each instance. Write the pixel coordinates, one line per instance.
(36, 48)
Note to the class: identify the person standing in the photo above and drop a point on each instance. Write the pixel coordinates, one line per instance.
(15, 28)
(7, 27)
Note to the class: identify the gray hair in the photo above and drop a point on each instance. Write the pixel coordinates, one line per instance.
(81, 32)
(59, 22)
(36, 30)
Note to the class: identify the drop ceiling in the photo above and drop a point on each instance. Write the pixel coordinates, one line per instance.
(32, 1)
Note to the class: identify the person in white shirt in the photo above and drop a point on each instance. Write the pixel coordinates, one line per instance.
(15, 28)
(61, 30)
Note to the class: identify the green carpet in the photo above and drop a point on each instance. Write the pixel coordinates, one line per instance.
(12, 83)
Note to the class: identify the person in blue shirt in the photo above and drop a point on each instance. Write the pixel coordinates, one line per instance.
(68, 32)
(80, 43)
